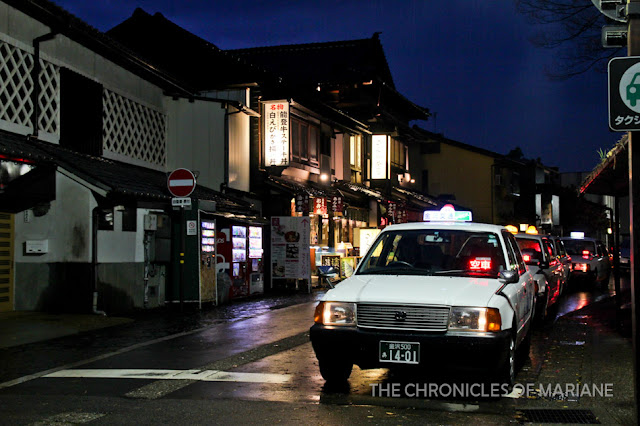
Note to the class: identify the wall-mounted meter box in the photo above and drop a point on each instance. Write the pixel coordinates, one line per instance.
(36, 246)
(150, 222)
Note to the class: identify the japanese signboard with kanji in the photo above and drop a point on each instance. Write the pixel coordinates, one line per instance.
(276, 133)
(336, 204)
(379, 159)
(624, 93)
(320, 205)
(302, 203)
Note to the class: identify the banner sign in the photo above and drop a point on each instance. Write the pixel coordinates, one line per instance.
(276, 133)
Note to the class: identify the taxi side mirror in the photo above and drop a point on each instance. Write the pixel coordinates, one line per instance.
(509, 277)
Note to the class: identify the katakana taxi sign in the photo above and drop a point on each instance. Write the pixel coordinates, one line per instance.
(624, 93)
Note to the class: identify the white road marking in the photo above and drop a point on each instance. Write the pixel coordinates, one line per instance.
(201, 375)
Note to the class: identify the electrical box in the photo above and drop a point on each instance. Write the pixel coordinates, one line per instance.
(150, 222)
(36, 246)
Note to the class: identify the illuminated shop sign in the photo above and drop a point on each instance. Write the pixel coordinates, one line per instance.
(447, 213)
(276, 133)
(379, 159)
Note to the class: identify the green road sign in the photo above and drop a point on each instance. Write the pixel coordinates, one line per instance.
(624, 93)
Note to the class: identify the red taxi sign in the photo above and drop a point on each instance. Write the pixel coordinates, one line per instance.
(181, 182)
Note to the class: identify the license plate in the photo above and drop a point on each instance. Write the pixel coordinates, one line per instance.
(400, 352)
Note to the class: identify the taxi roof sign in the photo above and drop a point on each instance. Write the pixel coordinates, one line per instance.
(447, 213)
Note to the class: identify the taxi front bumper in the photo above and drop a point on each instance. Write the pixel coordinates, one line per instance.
(481, 352)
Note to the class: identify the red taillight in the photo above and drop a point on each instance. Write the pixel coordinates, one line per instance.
(480, 264)
(526, 258)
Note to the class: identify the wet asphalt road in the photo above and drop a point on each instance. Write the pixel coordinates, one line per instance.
(270, 372)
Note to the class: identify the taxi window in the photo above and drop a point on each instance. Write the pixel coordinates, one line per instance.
(513, 263)
(522, 267)
(435, 251)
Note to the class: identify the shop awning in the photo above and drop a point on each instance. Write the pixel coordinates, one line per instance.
(114, 180)
(298, 187)
(611, 176)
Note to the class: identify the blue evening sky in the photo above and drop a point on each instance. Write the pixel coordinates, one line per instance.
(469, 61)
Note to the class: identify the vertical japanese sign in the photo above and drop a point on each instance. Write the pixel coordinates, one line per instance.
(302, 203)
(290, 255)
(320, 205)
(379, 160)
(336, 204)
(276, 133)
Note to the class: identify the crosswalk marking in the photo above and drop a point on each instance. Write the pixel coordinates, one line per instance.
(199, 375)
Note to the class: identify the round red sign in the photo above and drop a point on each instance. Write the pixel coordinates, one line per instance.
(181, 182)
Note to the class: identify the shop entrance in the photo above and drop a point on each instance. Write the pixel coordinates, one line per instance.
(6, 262)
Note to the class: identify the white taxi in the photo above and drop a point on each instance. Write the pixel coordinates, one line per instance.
(430, 295)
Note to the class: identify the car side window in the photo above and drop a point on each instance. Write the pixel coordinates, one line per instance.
(513, 263)
(522, 267)
(551, 252)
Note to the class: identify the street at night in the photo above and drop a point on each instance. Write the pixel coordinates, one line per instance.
(252, 362)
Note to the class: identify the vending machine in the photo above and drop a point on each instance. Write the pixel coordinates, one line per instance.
(256, 276)
(208, 261)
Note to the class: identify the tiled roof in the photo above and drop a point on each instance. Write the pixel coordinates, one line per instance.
(349, 61)
(62, 22)
(201, 63)
(117, 179)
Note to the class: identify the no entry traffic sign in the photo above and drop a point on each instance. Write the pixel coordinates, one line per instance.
(181, 182)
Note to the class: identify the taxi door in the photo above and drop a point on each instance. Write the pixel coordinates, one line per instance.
(526, 288)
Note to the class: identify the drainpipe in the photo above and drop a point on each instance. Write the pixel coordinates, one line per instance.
(94, 259)
(35, 78)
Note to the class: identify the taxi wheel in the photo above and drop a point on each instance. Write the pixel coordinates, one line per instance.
(507, 371)
(335, 371)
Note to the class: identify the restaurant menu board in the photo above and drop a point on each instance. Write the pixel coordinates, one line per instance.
(255, 242)
(290, 247)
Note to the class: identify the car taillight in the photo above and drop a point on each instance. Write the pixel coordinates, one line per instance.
(526, 258)
(586, 254)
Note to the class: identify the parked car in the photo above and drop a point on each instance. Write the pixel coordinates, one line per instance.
(565, 259)
(589, 259)
(426, 296)
(539, 254)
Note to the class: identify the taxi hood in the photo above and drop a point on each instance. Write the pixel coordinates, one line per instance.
(409, 289)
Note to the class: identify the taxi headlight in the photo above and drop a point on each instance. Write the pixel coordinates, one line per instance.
(335, 313)
(474, 319)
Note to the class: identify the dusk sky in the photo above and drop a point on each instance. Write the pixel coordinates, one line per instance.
(469, 61)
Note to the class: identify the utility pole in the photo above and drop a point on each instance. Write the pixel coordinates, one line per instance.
(633, 49)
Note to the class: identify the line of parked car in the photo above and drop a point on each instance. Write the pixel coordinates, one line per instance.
(555, 260)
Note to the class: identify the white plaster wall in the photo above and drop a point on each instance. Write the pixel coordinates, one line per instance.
(195, 139)
(66, 227)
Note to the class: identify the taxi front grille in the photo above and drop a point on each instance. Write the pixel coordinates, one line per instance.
(403, 317)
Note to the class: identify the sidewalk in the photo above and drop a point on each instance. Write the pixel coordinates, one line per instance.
(586, 352)
(20, 328)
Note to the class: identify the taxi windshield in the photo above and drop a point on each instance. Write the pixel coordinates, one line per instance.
(435, 252)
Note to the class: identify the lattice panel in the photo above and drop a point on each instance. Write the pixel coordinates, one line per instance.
(16, 88)
(132, 129)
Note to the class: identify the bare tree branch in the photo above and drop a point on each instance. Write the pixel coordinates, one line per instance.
(573, 27)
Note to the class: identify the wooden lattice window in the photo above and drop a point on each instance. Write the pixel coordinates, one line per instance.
(132, 129)
(16, 88)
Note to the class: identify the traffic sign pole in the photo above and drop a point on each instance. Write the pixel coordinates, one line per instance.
(633, 49)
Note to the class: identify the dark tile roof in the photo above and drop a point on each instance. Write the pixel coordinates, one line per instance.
(117, 179)
(201, 63)
(349, 61)
(62, 22)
